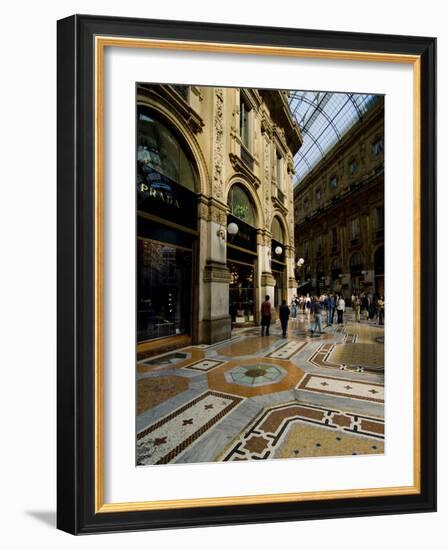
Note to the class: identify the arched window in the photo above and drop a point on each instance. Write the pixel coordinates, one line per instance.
(241, 205)
(160, 154)
(277, 231)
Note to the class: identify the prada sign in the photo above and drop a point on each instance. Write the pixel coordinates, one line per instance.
(162, 195)
(164, 198)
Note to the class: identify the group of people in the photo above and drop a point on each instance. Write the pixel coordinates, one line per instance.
(369, 305)
(372, 306)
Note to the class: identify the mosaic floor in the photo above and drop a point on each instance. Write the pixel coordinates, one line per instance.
(253, 397)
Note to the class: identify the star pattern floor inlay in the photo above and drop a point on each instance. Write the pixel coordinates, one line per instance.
(259, 397)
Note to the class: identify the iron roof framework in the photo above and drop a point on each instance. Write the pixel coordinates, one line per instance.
(324, 118)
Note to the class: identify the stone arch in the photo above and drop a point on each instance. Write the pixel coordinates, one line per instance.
(237, 179)
(186, 136)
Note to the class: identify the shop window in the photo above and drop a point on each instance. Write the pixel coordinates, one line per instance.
(354, 230)
(352, 167)
(241, 293)
(159, 152)
(241, 205)
(378, 147)
(163, 290)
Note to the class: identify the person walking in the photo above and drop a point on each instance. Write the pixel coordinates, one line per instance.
(381, 310)
(317, 312)
(266, 310)
(308, 305)
(328, 308)
(340, 308)
(332, 309)
(284, 313)
(357, 308)
(294, 308)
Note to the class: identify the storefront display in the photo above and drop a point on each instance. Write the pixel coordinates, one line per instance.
(166, 224)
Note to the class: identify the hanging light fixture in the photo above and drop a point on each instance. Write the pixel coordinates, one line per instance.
(278, 250)
(232, 228)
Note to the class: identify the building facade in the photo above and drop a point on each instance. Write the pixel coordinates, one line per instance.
(215, 228)
(339, 213)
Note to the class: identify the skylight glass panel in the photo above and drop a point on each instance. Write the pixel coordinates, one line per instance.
(324, 117)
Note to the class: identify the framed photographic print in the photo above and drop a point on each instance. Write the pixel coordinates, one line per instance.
(246, 274)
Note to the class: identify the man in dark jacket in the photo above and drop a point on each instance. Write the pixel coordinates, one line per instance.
(284, 317)
(265, 315)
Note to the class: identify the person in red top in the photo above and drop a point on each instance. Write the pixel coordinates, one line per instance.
(265, 315)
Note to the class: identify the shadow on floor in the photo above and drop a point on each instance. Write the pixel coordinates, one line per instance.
(48, 517)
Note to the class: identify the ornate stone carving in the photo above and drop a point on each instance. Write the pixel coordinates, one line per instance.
(266, 126)
(292, 283)
(218, 149)
(203, 211)
(218, 215)
(267, 175)
(240, 167)
(267, 279)
(235, 120)
(216, 272)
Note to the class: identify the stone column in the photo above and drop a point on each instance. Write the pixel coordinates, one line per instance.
(290, 273)
(267, 281)
(215, 322)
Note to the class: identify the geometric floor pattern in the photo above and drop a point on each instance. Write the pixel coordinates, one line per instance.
(256, 398)
(271, 430)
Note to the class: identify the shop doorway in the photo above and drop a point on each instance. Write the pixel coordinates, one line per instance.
(241, 292)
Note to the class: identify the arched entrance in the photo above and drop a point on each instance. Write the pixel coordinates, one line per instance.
(167, 182)
(242, 256)
(278, 262)
(378, 262)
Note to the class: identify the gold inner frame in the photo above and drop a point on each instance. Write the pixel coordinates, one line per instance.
(101, 42)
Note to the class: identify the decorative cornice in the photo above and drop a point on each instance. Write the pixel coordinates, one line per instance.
(267, 279)
(292, 283)
(170, 98)
(239, 166)
(216, 272)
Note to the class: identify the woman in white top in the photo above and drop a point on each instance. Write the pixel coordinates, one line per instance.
(340, 308)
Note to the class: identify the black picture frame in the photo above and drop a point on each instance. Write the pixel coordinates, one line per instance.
(76, 512)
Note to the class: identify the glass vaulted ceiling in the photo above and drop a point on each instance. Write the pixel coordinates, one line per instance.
(323, 117)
